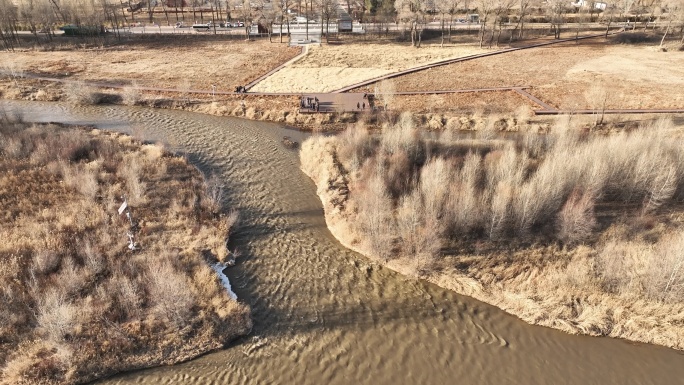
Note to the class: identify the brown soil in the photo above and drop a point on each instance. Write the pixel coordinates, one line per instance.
(562, 75)
(182, 64)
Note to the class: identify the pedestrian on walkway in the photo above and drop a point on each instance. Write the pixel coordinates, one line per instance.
(358, 107)
(364, 105)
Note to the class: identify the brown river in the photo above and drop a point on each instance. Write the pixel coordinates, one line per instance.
(326, 315)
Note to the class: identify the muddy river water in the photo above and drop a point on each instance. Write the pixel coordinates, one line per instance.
(326, 315)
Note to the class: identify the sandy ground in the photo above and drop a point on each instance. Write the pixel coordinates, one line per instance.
(328, 68)
(563, 75)
(184, 64)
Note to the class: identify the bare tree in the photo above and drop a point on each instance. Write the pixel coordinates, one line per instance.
(244, 11)
(501, 12)
(555, 12)
(444, 7)
(328, 12)
(269, 13)
(412, 12)
(8, 24)
(485, 9)
(523, 10)
(608, 16)
(675, 11)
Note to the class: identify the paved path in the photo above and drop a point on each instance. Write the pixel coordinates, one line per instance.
(611, 111)
(534, 99)
(461, 91)
(462, 59)
(347, 102)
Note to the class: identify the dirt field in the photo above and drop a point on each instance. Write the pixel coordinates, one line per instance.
(328, 68)
(183, 64)
(563, 76)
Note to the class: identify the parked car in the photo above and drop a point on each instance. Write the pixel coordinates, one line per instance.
(300, 20)
(238, 24)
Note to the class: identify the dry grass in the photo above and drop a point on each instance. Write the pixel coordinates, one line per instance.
(200, 63)
(582, 217)
(77, 304)
(633, 76)
(328, 68)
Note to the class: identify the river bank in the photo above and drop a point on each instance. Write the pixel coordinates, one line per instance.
(269, 108)
(313, 299)
(93, 285)
(599, 287)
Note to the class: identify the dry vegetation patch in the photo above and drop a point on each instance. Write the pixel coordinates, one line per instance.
(563, 74)
(570, 229)
(330, 67)
(77, 303)
(182, 63)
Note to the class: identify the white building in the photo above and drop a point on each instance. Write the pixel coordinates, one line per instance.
(585, 3)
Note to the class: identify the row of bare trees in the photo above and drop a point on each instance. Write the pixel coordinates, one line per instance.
(45, 15)
(494, 16)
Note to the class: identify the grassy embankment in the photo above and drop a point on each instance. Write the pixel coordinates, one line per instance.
(76, 303)
(570, 229)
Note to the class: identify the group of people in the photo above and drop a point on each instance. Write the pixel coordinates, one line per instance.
(240, 90)
(311, 103)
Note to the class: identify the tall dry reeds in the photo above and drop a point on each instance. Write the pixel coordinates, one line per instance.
(78, 93)
(77, 303)
(411, 195)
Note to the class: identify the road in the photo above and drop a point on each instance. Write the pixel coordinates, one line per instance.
(315, 28)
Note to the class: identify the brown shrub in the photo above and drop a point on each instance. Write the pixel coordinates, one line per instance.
(77, 304)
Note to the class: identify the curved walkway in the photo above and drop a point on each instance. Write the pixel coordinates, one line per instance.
(462, 59)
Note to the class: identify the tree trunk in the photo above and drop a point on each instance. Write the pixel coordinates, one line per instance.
(149, 11)
(667, 30)
(482, 33)
(213, 20)
(441, 44)
(498, 36)
(451, 22)
(166, 14)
